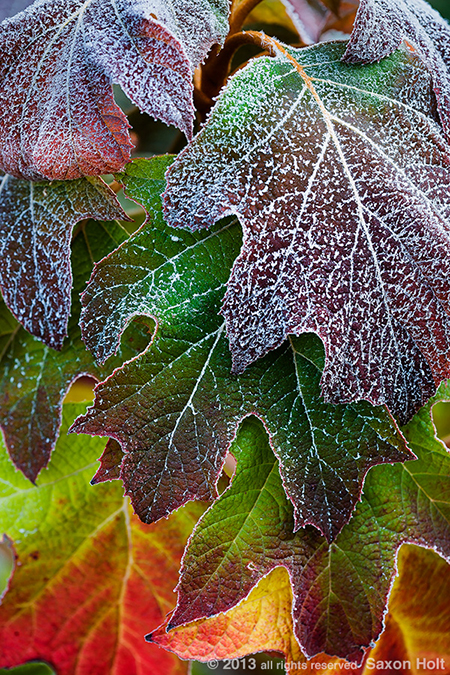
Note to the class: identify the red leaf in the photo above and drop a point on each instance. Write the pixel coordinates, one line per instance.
(58, 118)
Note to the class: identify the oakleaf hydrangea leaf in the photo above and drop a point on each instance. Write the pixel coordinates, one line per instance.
(416, 627)
(340, 180)
(58, 118)
(88, 573)
(262, 622)
(175, 409)
(418, 623)
(36, 222)
(340, 589)
(380, 27)
(34, 378)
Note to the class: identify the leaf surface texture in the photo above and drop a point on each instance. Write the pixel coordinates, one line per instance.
(175, 408)
(36, 223)
(380, 27)
(58, 118)
(340, 178)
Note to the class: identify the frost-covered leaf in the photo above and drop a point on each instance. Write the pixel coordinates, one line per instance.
(340, 180)
(380, 27)
(340, 589)
(34, 378)
(36, 222)
(175, 409)
(58, 118)
(88, 574)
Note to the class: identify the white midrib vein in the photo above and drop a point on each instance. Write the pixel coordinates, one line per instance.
(171, 446)
(195, 388)
(328, 119)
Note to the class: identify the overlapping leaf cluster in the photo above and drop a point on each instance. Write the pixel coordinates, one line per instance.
(293, 269)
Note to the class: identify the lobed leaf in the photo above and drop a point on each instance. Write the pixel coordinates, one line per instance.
(34, 378)
(262, 622)
(58, 118)
(340, 589)
(175, 409)
(340, 178)
(36, 222)
(416, 626)
(381, 26)
(418, 623)
(88, 573)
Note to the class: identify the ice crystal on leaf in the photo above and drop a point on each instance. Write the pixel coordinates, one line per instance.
(175, 408)
(380, 27)
(36, 223)
(340, 178)
(340, 589)
(58, 118)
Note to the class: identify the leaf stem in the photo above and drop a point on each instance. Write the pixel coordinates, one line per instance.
(239, 13)
(216, 69)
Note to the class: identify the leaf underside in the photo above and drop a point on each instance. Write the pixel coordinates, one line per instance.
(58, 118)
(175, 408)
(340, 589)
(340, 178)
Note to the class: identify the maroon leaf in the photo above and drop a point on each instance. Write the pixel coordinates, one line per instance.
(58, 118)
(110, 463)
(380, 27)
(35, 378)
(340, 178)
(36, 221)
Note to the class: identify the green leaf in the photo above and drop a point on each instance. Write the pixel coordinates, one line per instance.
(340, 589)
(340, 178)
(175, 409)
(34, 378)
(88, 573)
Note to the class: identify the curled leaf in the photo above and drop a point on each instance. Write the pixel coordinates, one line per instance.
(58, 118)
